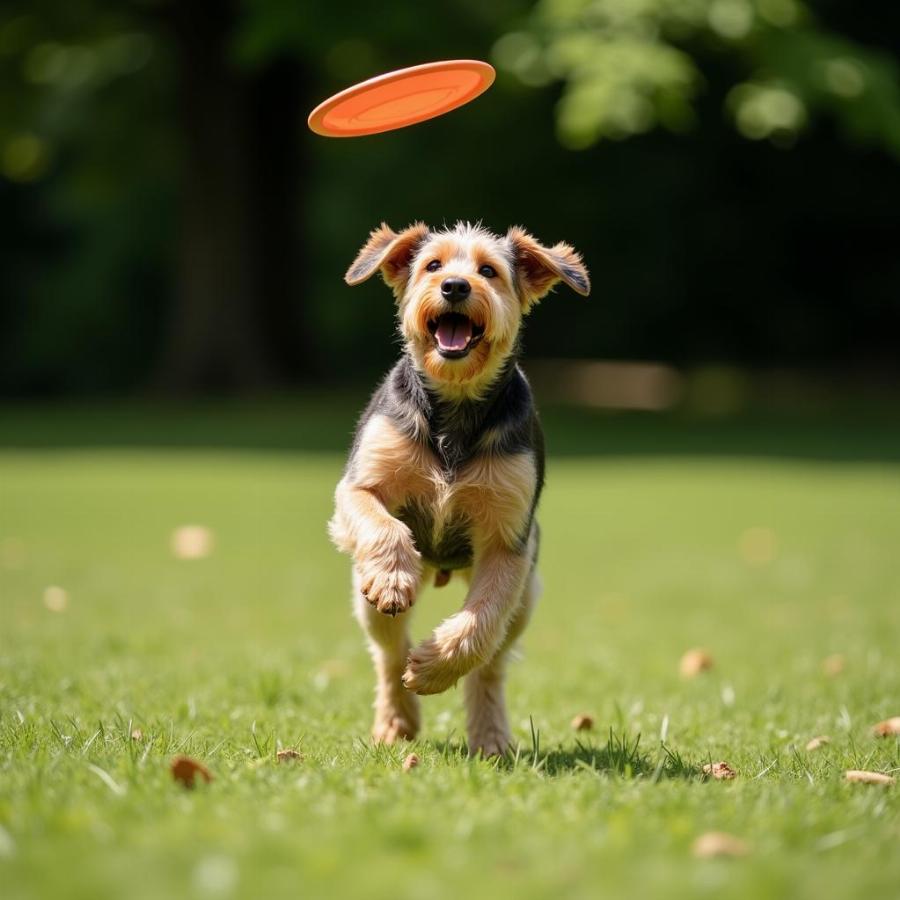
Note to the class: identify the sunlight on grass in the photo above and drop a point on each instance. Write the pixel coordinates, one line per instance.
(771, 566)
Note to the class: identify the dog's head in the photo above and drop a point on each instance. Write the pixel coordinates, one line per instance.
(462, 293)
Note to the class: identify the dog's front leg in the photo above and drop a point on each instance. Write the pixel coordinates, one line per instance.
(396, 709)
(472, 636)
(388, 566)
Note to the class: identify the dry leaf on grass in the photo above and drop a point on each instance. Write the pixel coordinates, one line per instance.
(288, 754)
(56, 599)
(582, 723)
(719, 843)
(721, 771)
(137, 735)
(818, 742)
(694, 662)
(410, 762)
(834, 665)
(888, 727)
(191, 542)
(861, 777)
(185, 770)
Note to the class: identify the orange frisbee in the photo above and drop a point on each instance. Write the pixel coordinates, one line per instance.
(401, 98)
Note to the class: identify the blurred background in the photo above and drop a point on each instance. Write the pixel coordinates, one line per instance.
(729, 169)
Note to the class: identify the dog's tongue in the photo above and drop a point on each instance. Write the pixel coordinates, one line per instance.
(454, 331)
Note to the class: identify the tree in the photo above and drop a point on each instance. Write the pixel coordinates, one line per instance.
(235, 322)
(166, 213)
(105, 96)
(631, 65)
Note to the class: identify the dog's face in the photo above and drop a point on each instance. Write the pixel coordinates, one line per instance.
(462, 293)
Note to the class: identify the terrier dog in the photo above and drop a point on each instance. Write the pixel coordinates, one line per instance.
(447, 466)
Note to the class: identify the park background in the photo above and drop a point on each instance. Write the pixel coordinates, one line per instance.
(728, 169)
(181, 365)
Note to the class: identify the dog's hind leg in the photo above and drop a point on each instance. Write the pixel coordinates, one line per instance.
(487, 725)
(396, 709)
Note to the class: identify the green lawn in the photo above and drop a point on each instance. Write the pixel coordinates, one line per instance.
(231, 657)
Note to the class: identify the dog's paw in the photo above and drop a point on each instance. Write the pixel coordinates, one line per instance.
(390, 729)
(427, 672)
(389, 581)
(437, 664)
(396, 715)
(490, 742)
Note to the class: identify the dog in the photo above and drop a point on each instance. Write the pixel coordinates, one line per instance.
(447, 466)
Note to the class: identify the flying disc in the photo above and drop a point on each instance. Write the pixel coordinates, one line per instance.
(401, 98)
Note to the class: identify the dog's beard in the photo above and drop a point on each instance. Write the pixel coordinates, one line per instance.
(462, 377)
(460, 350)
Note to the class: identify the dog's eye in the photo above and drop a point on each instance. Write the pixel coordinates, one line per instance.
(434, 265)
(487, 271)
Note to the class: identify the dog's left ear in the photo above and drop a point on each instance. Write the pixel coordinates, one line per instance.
(390, 252)
(539, 268)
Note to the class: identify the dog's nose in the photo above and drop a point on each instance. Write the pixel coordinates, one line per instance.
(455, 290)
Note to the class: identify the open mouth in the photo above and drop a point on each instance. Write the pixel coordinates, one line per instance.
(455, 334)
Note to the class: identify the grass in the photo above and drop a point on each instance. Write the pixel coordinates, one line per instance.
(232, 657)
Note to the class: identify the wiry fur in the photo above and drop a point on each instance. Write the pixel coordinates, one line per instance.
(445, 472)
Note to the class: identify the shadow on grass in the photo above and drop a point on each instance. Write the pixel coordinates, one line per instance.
(618, 756)
(323, 423)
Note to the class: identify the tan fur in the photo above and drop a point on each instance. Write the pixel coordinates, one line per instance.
(492, 304)
(396, 709)
(363, 525)
(486, 722)
(497, 303)
(389, 252)
(493, 493)
(474, 635)
(387, 562)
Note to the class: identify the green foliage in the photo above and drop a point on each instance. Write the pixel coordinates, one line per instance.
(59, 64)
(87, 151)
(743, 257)
(630, 65)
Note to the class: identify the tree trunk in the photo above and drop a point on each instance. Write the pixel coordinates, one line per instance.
(236, 323)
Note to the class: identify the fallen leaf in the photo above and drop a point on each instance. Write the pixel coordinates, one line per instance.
(862, 777)
(137, 735)
(410, 762)
(719, 843)
(721, 771)
(582, 723)
(56, 599)
(834, 665)
(818, 742)
(185, 770)
(191, 542)
(694, 662)
(288, 754)
(888, 727)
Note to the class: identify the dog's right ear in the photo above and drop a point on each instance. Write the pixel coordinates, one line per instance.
(390, 252)
(539, 268)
